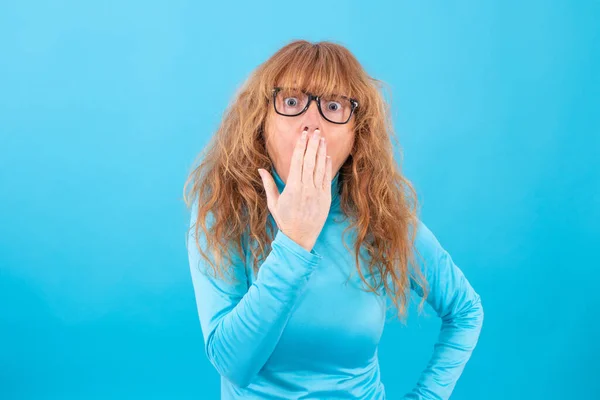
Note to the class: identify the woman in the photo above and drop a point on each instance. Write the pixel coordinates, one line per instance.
(303, 232)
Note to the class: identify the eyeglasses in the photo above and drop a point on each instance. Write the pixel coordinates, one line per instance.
(292, 102)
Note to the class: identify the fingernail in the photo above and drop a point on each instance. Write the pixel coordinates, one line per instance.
(304, 133)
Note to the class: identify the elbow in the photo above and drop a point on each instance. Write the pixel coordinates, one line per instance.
(238, 377)
(234, 375)
(473, 316)
(469, 317)
(229, 365)
(477, 312)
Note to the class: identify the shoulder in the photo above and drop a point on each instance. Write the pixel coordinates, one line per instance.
(426, 244)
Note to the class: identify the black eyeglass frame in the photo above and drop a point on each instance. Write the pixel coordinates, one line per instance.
(312, 97)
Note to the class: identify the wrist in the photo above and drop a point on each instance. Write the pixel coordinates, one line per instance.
(303, 242)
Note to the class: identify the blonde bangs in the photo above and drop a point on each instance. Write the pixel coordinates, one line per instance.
(319, 70)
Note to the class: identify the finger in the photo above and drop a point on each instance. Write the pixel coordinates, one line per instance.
(270, 189)
(328, 174)
(295, 174)
(308, 167)
(321, 163)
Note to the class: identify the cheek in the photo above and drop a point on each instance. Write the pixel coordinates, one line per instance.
(340, 147)
(281, 148)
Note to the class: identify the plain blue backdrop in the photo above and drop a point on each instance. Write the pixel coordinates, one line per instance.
(105, 105)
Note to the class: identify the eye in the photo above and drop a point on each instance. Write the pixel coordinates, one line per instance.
(333, 106)
(291, 101)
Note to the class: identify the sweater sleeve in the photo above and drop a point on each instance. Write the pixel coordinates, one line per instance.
(241, 323)
(460, 309)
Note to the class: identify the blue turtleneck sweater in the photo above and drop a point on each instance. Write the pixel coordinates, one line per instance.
(303, 327)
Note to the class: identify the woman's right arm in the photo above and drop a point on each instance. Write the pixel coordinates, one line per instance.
(241, 325)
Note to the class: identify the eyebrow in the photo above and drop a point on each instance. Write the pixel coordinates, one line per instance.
(331, 94)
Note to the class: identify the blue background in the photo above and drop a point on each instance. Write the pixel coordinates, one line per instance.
(105, 105)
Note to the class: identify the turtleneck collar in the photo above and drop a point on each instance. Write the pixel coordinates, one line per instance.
(335, 195)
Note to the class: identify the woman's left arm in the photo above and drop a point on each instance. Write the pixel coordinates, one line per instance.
(460, 309)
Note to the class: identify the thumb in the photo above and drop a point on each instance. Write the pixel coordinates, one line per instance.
(270, 188)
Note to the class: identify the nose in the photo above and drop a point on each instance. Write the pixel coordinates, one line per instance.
(312, 118)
